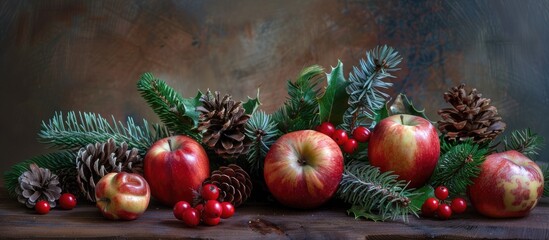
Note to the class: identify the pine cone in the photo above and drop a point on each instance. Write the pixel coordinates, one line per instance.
(68, 181)
(234, 184)
(222, 123)
(37, 184)
(471, 117)
(95, 161)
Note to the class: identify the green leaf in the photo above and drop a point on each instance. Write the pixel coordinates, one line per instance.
(252, 104)
(422, 194)
(333, 103)
(402, 105)
(361, 212)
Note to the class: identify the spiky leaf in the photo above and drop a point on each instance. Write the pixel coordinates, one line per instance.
(252, 104)
(333, 103)
(402, 105)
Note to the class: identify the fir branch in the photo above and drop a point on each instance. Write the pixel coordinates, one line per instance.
(366, 85)
(177, 113)
(262, 131)
(458, 166)
(300, 111)
(55, 162)
(545, 171)
(378, 194)
(80, 129)
(524, 141)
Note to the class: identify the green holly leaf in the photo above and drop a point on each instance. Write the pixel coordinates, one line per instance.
(252, 104)
(402, 105)
(360, 212)
(333, 103)
(421, 194)
(187, 109)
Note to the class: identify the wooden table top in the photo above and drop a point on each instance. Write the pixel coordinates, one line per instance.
(261, 221)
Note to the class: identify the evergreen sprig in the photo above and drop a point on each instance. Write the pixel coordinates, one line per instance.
(458, 166)
(300, 111)
(366, 86)
(79, 129)
(263, 132)
(524, 141)
(177, 113)
(373, 193)
(55, 162)
(545, 171)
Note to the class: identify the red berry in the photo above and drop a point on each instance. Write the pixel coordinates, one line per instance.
(326, 128)
(212, 209)
(191, 217)
(199, 207)
(179, 208)
(429, 206)
(340, 136)
(458, 205)
(209, 192)
(350, 146)
(67, 201)
(441, 192)
(211, 221)
(444, 211)
(361, 134)
(42, 207)
(228, 210)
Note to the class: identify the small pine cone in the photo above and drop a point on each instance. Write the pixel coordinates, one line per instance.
(234, 183)
(96, 160)
(37, 184)
(222, 123)
(68, 181)
(470, 117)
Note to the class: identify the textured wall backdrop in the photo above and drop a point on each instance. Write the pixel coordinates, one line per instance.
(88, 55)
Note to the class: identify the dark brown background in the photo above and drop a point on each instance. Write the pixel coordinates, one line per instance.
(88, 55)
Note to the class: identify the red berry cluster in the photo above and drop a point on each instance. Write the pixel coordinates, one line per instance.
(340, 136)
(439, 206)
(67, 201)
(209, 212)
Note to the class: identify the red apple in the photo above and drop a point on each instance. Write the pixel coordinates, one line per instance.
(174, 167)
(122, 195)
(407, 145)
(509, 185)
(303, 169)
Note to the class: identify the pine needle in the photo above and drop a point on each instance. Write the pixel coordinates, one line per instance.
(375, 193)
(263, 132)
(366, 86)
(458, 166)
(78, 130)
(177, 113)
(55, 162)
(300, 111)
(524, 141)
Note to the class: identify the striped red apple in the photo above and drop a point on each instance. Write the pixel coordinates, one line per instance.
(407, 145)
(303, 169)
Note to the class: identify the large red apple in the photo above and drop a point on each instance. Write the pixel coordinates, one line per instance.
(174, 167)
(509, 185)
(303, 169)
(407, 145)
(122, 195)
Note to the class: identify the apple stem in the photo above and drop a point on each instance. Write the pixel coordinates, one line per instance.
(402, 119)
(170, 144)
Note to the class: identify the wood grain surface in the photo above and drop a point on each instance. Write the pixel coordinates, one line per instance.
(261, 221)
(62, 55)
